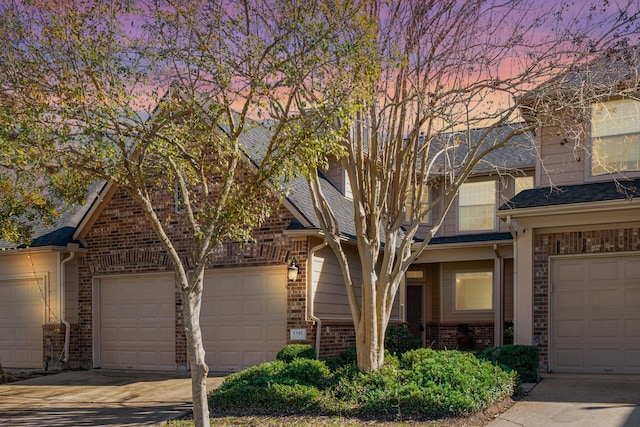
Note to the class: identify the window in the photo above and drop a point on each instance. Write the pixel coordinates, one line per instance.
(523, 183)
(477, 206)
(422, 201)
(474, 291)
(615, 136)
(347, 186)
(415, 274)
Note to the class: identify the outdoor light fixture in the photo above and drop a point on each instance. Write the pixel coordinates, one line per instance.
(292, 271)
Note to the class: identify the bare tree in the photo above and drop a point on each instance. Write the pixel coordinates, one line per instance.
(435, 71)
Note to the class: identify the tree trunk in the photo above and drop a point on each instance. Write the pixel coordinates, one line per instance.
(369, 333)
(191, 303)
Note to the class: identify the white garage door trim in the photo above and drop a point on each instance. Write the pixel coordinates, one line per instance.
(21, 343)
(244, 318)
(605, 337)
(165, 344)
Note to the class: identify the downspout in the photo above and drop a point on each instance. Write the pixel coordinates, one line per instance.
(312, 296)
(61, 295)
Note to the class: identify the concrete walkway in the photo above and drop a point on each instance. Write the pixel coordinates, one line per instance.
(97, 398)
(577, 400)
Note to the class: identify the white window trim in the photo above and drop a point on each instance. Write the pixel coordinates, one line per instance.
(454, 299)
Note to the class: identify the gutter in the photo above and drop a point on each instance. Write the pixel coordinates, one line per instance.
(312, 296)
(569, 208)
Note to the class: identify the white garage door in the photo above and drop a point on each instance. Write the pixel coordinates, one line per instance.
(244, 317)
(21, 319)
(137, 323)
(595, 314)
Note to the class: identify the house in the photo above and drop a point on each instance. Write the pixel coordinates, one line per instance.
(107, 298)
(558, 266)
(577, 280)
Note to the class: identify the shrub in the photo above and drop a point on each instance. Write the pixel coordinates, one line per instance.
(524, 359)
(296, 351)
(422, 383)
(346, 358)
(306, 372)
(398, 340)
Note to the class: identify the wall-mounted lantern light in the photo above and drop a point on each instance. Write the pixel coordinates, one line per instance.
(292, 270)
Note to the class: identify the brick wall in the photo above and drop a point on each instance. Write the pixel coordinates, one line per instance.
(577, 242)
(335, 337)
(121, 241)
(445, 335)
(53, 343)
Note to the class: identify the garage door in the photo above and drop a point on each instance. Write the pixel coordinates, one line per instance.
(595, 314)
(21, 319)
(244, 317)
(137, 323)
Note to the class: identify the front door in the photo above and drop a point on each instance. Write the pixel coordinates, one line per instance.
(414, 310)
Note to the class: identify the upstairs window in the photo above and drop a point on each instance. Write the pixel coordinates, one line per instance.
(615, 136)
(477, 206)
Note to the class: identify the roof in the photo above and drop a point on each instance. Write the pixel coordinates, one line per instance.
(518, 153)
(615, 72)
(574, 194)
(61, 232)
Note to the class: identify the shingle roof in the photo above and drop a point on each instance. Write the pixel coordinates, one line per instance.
(518, 153)
(61, 232)
(573, 194)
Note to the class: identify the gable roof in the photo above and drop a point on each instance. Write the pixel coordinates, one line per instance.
(574, 194)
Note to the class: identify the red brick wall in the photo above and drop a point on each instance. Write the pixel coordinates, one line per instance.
(445, 335)
(53, 343)
(577, 242)
(335, 337)
(122, 241)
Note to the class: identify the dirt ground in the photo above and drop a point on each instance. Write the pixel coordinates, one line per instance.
(244, 420)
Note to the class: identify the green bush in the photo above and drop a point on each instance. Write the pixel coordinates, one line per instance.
(524, 359)
(296, 351)
(306, 372)
(398, 340)
(422, 383)
(346, 358)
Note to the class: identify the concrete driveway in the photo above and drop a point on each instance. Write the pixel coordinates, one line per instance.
(577, 400)
(97, 398)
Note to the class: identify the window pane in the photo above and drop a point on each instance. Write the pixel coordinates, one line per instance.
(615, 132)
(523, 183)
(474, 291)
(476, 206)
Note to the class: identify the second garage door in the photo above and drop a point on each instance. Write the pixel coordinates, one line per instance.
(595, 314)
(244, 317)
(137, 323)
(21, 318)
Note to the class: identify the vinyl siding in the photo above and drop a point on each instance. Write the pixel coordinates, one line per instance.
(563, 160)
(331, 302)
